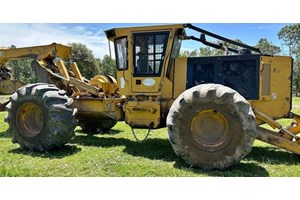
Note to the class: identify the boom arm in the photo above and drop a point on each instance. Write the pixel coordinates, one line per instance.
(36, 52)
(45, 54)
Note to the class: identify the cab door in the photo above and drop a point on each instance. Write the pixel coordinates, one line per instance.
(149, 49)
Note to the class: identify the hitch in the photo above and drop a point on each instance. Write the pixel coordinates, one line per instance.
(286, 138)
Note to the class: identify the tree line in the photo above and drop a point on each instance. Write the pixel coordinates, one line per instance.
(90, 66)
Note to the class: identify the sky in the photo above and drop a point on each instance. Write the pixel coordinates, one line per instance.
(92, 34)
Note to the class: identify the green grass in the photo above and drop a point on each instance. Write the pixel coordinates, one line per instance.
(296, 101)
(117, 154)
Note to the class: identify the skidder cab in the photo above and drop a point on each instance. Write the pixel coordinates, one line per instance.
(145, 56)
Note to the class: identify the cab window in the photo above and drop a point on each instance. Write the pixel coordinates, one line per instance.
(121, 53)
(149, 53)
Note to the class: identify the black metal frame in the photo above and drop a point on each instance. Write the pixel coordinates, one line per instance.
(218, 46)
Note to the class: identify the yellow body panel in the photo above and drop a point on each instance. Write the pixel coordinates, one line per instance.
(142, 114)
(91, 106)
(180, 72)
(167, 91)
(275, 90)
(123, 82)
(143, 87)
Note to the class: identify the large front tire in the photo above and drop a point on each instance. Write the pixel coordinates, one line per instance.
(211, 126)
(40, 117)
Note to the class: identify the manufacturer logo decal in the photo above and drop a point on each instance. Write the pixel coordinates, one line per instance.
(149, 82)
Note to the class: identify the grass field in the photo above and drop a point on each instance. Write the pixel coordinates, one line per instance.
(117, 154)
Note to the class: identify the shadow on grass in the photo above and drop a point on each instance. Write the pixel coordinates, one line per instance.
(237, 170)
(59, 153)
(273, 155)
(110, 132)
(4, 134)
(161, 149)
(156, 149)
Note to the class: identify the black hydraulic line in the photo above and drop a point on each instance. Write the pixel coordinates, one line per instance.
(190, 26)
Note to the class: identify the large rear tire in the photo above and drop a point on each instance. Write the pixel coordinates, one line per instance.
(40, 117)
(211, 126)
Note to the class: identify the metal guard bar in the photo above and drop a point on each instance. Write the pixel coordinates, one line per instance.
(190, 26)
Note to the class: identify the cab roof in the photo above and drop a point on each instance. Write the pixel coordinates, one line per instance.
(114, 33)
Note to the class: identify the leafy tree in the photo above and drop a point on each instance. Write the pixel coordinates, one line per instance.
(27, 73)
(290, 35)
(107, 66)
(85, 60)
(206, 51)
(296, 78)
(268, 47)
(193, 53)
(187, 53)
(22, 71)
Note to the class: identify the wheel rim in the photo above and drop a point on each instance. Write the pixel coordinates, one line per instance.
(30, 119)
(210, 129)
